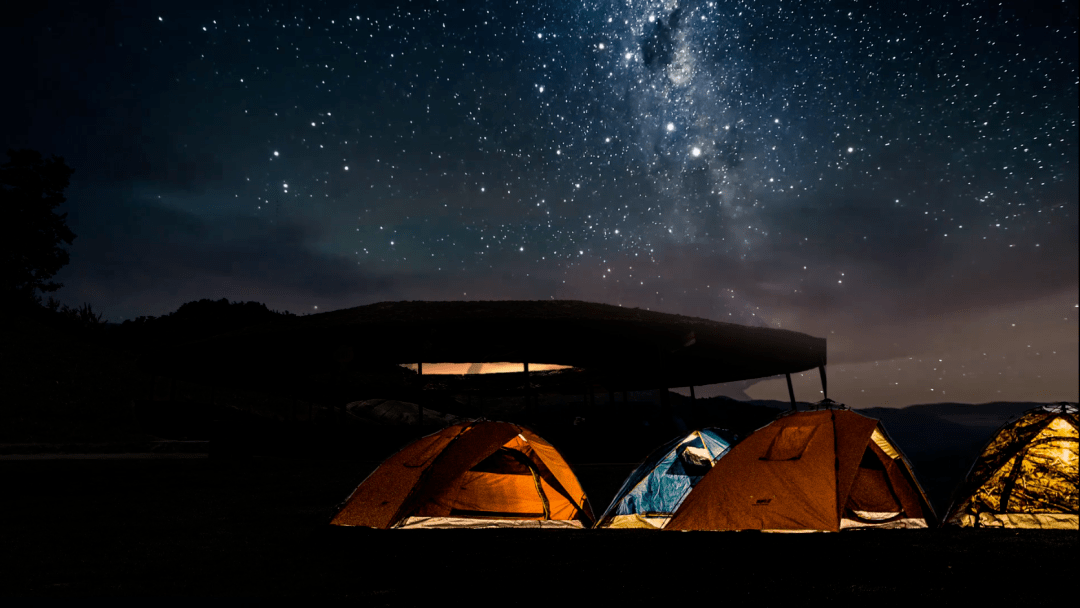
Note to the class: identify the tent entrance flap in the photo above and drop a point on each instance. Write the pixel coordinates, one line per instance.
(506, 484)
(872, 498)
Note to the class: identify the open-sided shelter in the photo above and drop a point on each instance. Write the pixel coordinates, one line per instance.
(658, 485)
(823, 470)
(1026, 476)
(556, 346)
(477, 474)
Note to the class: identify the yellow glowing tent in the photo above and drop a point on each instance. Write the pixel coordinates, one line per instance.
(1026, 476)
(476, 474)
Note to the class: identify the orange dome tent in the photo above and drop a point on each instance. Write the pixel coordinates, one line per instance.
(476, 474)
(823, 470)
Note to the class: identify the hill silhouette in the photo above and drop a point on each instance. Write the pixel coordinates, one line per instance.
(72, 381)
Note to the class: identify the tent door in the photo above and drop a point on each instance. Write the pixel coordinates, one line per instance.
(506, 484)
(872, 498)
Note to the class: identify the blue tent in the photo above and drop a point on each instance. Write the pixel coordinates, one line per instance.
(658, 486)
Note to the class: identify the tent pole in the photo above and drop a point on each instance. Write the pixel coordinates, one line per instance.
(692, 397)
(791, 392)
(824, 382)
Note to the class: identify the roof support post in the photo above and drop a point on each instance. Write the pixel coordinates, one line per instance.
(528, 389)
(420, 393)
(790, 392)
(824, 382)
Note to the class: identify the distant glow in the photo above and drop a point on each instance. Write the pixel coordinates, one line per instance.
(470, 369)
(670, 126)
(695, 152)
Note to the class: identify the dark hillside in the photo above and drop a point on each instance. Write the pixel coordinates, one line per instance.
(61, 386)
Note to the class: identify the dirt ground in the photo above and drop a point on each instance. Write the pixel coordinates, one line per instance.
(257, 530)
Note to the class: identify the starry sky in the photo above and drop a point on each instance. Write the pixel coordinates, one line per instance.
(898, 177)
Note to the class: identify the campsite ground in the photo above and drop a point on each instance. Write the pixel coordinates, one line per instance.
(257, 529)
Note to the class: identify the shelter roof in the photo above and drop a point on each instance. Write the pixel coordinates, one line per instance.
(616, 347)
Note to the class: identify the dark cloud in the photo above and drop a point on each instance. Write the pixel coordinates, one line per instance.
(139, 257)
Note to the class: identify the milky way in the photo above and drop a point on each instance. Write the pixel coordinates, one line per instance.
(880, 173)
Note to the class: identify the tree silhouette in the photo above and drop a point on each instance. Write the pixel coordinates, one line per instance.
(30, 233)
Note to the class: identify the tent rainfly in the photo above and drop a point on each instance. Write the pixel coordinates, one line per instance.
(1026, 476)
(476, 474)
(823, 470)
(658, 485)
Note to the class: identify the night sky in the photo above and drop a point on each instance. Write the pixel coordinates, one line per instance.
(898, 177)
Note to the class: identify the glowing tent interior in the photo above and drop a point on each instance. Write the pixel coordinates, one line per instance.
(476, 474)
(823, 470)
(1026, 476)
(658, 485)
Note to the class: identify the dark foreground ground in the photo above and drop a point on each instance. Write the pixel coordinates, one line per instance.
(257, 530)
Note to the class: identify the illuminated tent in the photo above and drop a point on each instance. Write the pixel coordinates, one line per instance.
(658, 485)
(1026, 476)
(476, 474)
(823, 470)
